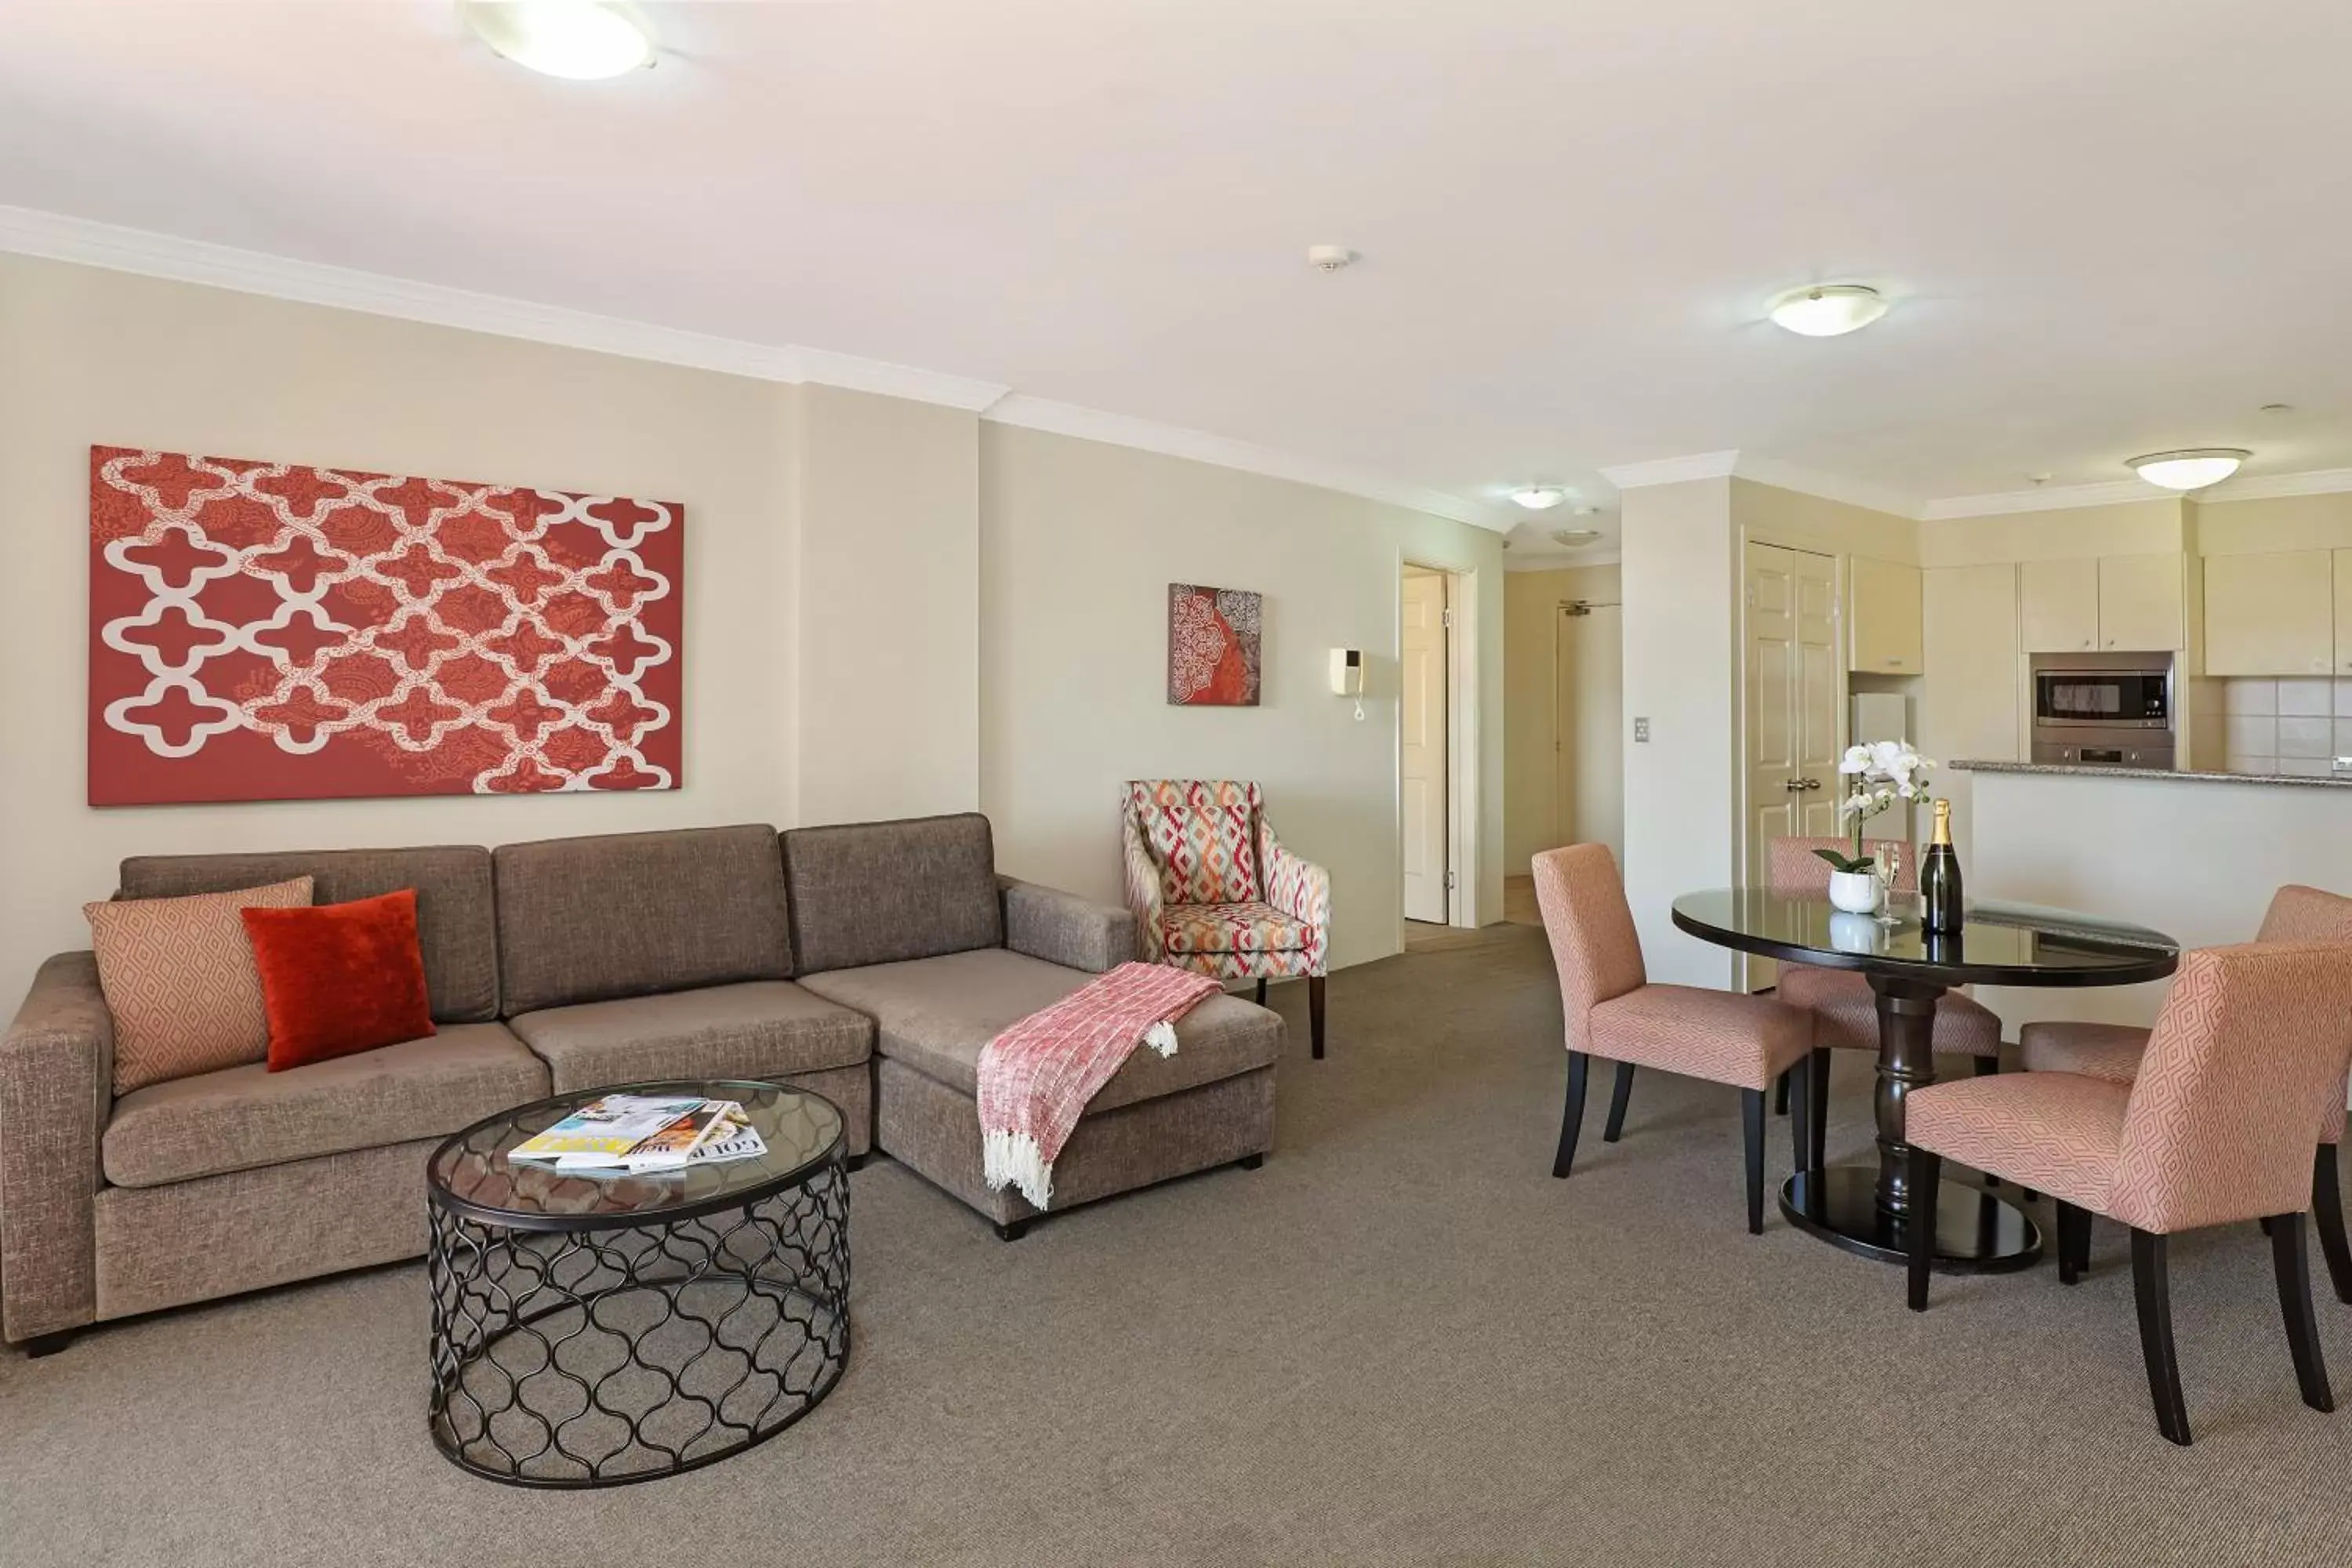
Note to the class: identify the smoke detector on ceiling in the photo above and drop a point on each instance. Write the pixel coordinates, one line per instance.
(1329, 258)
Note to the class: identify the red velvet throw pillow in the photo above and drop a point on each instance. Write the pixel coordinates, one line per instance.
(340, 978)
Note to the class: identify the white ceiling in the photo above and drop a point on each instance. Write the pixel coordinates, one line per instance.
(2109, 226)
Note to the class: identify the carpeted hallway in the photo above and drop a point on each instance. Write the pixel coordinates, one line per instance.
(1400, 1341)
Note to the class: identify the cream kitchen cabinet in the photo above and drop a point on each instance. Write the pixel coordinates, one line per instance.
(2344, 611)
(2274, 613)
(2058, 605)
(2129, 604)
(2140, 604)
(1882, 617)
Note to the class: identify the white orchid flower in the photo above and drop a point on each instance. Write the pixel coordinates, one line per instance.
(1856, 760)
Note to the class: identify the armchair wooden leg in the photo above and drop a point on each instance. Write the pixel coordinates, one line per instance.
(1780, 1093)
(1315, 1013)
(2153, 1288)
(1752, 1120)
(1619, 1093)
(2073, 1242)
(1799, 1077)
(1926, 1177)
(2292, 1264)
(1570, 1120)
(1261, 990)
(2327, 1218)
(1818, 1071)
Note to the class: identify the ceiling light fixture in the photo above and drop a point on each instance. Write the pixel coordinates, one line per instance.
(1574, 538)
(1540, 498)
(2192, 469)
(1827, 310)
(579, 40)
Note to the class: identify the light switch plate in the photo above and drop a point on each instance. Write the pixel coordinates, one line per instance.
(1640, 729)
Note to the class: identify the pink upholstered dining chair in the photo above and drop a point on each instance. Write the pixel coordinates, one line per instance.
(2216, 1128)
(1844, 1009)
(2113, 1052)
(1612, 1010)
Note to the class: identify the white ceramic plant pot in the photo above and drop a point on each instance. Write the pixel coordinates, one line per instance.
(1855, 892)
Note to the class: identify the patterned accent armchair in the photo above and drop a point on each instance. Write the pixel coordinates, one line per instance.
(1212, 889)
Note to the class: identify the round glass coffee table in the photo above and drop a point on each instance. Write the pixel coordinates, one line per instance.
(590, 1331)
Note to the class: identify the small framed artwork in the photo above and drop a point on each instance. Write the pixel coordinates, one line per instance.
(1212, 647)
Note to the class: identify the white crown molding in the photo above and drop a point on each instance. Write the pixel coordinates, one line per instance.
(2060, 498)
(1672, 470)
(57, 237)
(1224, 452)
(1557, 561)
(1828, 487)
(2268, 487)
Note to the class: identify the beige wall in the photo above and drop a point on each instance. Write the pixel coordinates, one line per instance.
(1681, 573)
(887, 617)
(2128, 527)
(1767, 514)
(1586, 721)
(1079, 543)
(89, 356)
(2284, 522)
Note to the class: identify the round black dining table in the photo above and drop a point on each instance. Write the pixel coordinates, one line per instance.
(1864, 1210)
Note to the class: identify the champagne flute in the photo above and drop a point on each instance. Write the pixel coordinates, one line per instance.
(1886, 865)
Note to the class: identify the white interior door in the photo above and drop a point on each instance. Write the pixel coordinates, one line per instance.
(1775, 739)
(1421, 666)
(1815, 693)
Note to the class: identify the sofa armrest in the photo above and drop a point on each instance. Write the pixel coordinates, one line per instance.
(57, 1083)
(1062, 928)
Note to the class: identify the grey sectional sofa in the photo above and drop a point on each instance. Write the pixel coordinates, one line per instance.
(562, 965)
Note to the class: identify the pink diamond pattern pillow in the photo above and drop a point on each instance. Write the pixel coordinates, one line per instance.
(180, 982)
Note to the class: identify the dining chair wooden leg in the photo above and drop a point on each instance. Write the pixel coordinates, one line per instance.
(1925, 1175)
(2292, 1264)
(1261, 990)
(1818, 1072)
(2327, 1218)
(1801, 1124)
(1780, 1093)
(1619, 1093)
(1315, 1013)
(2073, 1242)
(1752, 1118)
(1578, 1064)
(2153, 1288)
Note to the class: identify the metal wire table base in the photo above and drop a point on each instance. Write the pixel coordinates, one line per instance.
(591, 1358)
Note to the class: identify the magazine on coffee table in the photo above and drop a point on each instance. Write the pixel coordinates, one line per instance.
(608, 1127)
(623, 1134)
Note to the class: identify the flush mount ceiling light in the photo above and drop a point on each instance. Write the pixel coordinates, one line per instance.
(1540, 498)
(2192, 469)
(1827, 310)
(579, 40)
(1574, 538)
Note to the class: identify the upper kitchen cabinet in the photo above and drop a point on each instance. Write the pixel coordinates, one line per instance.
(2271, 614)
(2123, 603)
(1882, 617)
(2344, 611)
(2058, 605)
(2140, 604)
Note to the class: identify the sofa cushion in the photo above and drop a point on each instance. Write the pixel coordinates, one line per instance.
(879, 892)
(760, 1029)
(454, 925)
(244, 1117)
(181, 982)
(1189, 929)
(628, 914)
(934, 1014)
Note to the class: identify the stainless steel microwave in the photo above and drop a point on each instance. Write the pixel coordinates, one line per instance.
(2103, 691)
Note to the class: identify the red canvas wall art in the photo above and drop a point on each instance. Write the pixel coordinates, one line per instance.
(1213, 638)
(263, 631)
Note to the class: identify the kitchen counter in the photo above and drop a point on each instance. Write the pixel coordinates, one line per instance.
(2339, 781)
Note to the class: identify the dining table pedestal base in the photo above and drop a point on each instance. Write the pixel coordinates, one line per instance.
(1976, 1233)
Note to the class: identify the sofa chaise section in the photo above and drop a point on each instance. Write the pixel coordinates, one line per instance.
(630, 957)
(238, 1179)
(909, 923)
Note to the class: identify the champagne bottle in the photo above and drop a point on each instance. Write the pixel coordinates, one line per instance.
(1940, 879)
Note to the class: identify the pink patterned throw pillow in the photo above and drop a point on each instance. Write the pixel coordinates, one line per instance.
(180, 979)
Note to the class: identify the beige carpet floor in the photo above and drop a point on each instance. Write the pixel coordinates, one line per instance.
(1401, 1342)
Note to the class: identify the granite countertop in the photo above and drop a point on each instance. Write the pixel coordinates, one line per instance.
(2339, 781)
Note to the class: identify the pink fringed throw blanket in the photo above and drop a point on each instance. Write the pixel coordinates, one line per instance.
(1036, 1077)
